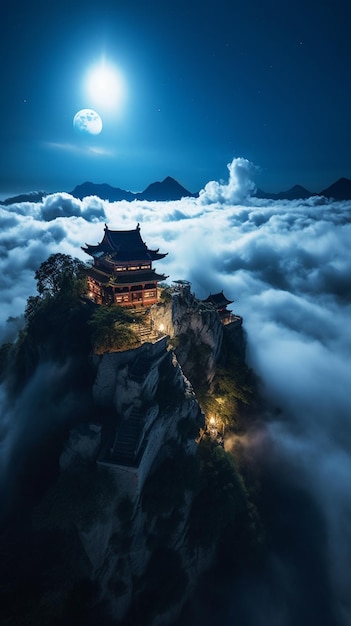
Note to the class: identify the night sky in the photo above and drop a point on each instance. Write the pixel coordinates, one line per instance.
(203, 82)
(264, 87)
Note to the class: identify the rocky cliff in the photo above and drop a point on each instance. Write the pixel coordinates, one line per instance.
(195, 330)
(143, 494)
(118, 524)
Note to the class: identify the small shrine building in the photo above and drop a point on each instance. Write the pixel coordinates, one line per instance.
(220, 302)
(122, 271)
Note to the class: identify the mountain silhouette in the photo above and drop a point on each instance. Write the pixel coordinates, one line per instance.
(103, 191)
(340, 190)
(170, 189)
(294, 193)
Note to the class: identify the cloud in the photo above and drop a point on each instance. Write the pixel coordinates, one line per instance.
(288, 267)
(239, 187)
(64, 205)
(74, 148)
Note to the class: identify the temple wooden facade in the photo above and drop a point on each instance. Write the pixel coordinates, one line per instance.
(122, 271)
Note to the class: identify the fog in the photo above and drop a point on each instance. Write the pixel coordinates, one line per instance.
(287, 265)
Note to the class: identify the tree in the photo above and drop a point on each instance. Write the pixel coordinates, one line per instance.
(60, 273)
(110, 328)
(33, 305)
(60, 283)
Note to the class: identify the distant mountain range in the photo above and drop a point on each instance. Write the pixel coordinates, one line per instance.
(340, 190)
(170, 189)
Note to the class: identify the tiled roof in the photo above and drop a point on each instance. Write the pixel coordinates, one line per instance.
(123, 245)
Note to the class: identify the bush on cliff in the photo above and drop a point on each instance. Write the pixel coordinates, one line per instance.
(221, 499)
(110, 329)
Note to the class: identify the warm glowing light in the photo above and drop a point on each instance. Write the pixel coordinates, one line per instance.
(212, 421)
(105, 86)
(161, 328)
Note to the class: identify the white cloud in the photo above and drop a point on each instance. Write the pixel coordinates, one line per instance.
(288, 267)
(238, 188)
(84, 149)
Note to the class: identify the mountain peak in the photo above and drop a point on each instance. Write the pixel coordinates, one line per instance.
(102, 190)
(297, 192)
(168, 189)
(340, 190)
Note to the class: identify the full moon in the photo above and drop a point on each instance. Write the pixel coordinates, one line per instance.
(87, 122)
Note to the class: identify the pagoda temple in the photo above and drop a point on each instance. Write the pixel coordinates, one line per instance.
(220, 302)
(122, 271)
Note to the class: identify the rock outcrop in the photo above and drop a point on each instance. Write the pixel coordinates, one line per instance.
(195, 330)
(127, 482)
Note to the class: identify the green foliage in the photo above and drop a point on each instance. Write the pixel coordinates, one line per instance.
(110, 330)
(6, 352)
(60, 273)
(33, 306)
(221, 499)
(54, 327)
(165, 295)
(173, 343)
(231, 389)
(56, 318)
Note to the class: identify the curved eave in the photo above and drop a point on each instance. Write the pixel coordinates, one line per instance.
(156, 256)
(133, 279)
(94, 251)
(218, 300)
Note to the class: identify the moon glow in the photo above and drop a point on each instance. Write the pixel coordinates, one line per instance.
(105, 86)
(87, 122)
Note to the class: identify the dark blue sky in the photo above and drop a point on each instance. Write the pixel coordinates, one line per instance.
(205, 82)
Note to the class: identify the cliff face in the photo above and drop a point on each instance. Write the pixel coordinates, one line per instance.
(195, 330)
(133, 505)
(116, 520)
(149, 396)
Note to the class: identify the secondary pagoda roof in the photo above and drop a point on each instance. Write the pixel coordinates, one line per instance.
(218, 300)
(128, 278)
(123, 245)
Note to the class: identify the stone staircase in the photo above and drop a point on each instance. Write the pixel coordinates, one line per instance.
(143, 328)
(127, 440)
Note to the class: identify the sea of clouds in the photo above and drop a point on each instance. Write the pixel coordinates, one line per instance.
(287, 265)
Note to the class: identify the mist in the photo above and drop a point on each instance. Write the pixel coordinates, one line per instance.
(287, 266)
